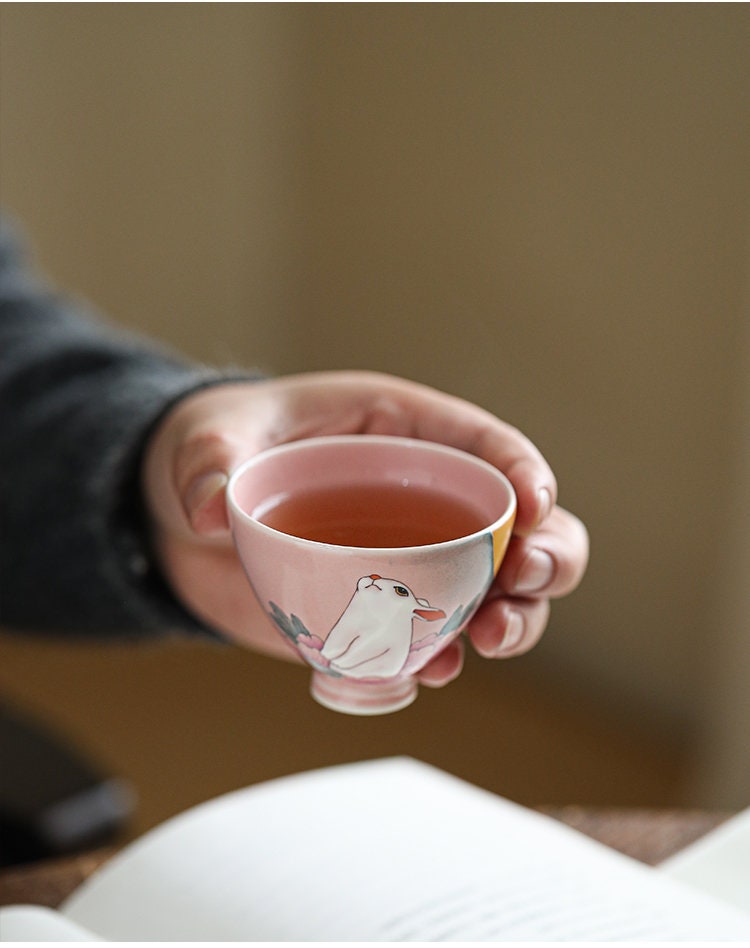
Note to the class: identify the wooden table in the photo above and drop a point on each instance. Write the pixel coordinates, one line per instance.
(647, 835)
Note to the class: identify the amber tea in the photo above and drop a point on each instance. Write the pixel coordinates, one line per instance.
(373, 515)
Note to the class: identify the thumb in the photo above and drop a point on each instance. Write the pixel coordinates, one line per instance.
(204, 503)
(202, 468)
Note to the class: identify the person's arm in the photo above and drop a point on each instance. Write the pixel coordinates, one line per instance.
(116, 457)
(77, 403)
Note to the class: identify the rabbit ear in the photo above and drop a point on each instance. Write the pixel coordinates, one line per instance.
(429, 614)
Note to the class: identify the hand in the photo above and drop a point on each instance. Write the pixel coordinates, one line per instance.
(208, 434)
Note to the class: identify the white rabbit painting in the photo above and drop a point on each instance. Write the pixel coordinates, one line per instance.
(373, 637)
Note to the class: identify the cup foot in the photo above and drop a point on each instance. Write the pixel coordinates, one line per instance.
(362, 697)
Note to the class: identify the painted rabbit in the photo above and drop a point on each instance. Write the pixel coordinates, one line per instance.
(373, 637)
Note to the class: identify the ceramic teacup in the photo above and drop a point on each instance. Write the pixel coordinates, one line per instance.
(367, 601)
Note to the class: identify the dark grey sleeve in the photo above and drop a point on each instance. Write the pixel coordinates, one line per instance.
(77, 402)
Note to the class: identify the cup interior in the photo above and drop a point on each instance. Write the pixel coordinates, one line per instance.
(344, 461)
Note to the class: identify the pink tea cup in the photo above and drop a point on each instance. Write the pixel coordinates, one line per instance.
(367, 618)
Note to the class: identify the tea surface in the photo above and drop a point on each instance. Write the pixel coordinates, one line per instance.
(376, 515)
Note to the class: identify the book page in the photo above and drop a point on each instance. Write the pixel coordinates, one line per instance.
(719, 863)
(38, 923)
(384, 851)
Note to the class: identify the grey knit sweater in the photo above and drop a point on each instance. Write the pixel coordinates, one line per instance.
(77, 402)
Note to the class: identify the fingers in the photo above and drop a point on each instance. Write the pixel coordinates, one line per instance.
(202, 465)
(445, 667)
(512, 620)
(550, 563)
(203, 503)
(504, 628)
(202, 440)
(513, 617)
(545, 566)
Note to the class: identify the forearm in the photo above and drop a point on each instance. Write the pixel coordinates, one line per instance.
(77, 404)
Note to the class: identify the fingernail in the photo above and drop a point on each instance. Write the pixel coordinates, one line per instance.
(545, 504)
(201, 492)
(535, 573)
(513, 633)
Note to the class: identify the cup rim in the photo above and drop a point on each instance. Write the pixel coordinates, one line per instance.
(289, 446)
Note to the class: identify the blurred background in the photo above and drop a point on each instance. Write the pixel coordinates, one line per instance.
(542, 208)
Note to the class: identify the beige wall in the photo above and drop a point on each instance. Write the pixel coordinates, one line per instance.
(540, 207)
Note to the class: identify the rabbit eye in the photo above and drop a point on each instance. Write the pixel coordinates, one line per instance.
(401, 590)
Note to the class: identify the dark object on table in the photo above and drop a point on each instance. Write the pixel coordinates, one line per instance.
(53, 801)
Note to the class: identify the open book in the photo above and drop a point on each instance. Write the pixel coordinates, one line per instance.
(389, 850)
